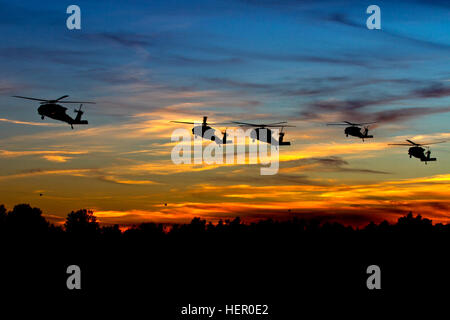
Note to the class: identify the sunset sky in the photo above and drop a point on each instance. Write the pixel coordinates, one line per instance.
(146, 63)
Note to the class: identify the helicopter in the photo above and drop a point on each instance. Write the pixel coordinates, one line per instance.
(201, 130)
(51, 109)
(355, 129)
(417, 151)
(262, 133)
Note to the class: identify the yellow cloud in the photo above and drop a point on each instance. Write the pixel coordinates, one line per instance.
(56, 158)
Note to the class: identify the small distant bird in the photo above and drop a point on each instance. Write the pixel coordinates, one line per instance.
(165, 204)
(41, 194)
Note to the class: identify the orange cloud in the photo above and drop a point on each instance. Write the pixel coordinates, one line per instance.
(348, 204)
(44, 124)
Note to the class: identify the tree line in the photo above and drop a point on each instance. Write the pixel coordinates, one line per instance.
(24, 219)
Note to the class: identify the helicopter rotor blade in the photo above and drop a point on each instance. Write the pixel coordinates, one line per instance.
(35, 99)
(246, 124)
(90, 102)
(60, 98)
(416, 144)
(220, 123)
(344, 123)
(427, 144)
(278, 126)
(186, 122)
(365, 123)
(274, 124)
(413, 143)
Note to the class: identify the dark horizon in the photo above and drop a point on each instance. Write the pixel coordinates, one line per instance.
(33, 214)
(232, 260)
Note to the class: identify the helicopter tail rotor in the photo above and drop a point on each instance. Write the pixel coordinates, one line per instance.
(78, 117)
(79, 110)
(225, 136)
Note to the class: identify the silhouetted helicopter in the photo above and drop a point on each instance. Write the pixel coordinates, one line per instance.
(355, 129)
(262, 133)
(417, 151)
(199, 131)
(51, 109)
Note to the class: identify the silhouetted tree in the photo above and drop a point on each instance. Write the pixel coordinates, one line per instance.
(82, 222)
(2, 214)
(26, 220)
(410, 223)
(111, 233)
(2, 219)
(148, 232)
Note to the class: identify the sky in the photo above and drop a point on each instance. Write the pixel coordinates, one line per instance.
(146, 63)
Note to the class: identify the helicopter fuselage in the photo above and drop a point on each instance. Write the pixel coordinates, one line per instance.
(58, 112)
(265, 135)
(200, 130)
(207, 132)
(419, 152)
(356, 132)
(416, 152)
(54, 111)
(261, 134)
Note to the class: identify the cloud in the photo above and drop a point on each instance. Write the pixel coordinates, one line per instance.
(94, 173)
(326, 164)
(42, 124)
(8, 87)
(356, 109)
(280, 88)
(56, 158)
(117, 180)
(180, 60)
(433, 91)
(124, 39)
(41, 172)
(398, 115)
(340, 18)
(51, 155)
(282, 57)
(73, 57)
